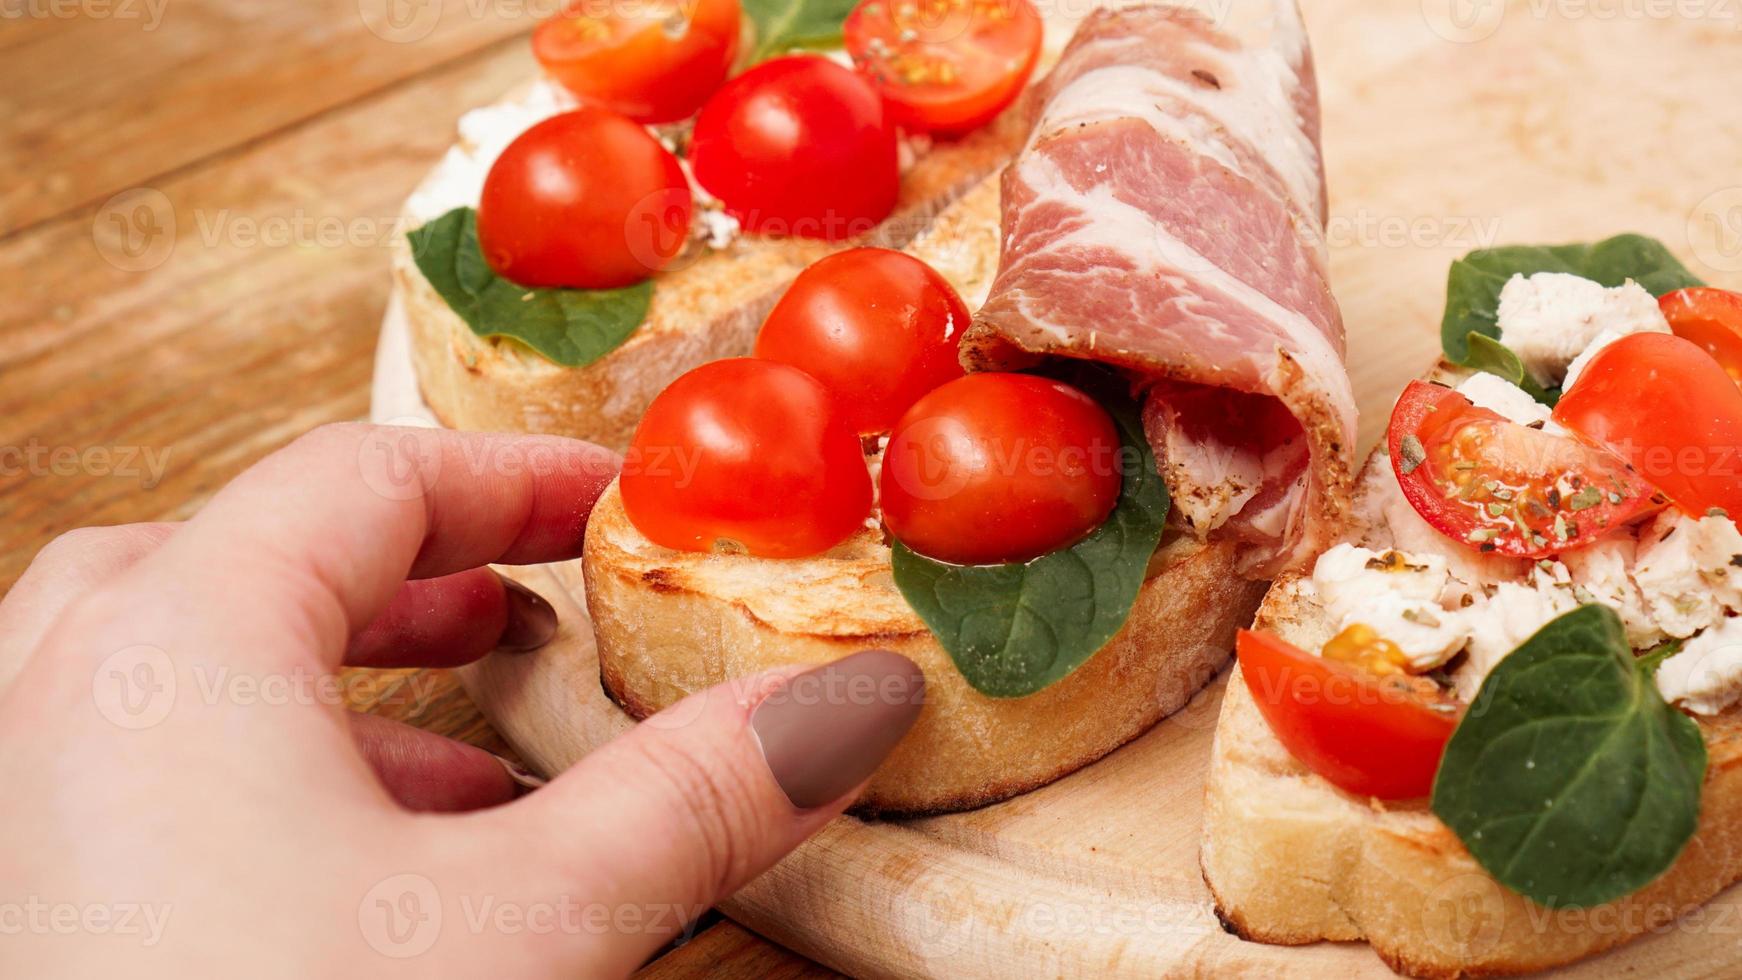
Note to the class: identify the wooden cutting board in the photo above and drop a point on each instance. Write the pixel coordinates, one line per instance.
(1448, 125)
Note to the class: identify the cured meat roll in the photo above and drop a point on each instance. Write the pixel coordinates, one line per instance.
(1167, 217)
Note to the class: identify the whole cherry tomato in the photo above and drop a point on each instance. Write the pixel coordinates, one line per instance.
(1664, 405)
(1366, 734)
(798, 146)
(655, 61)
(994, 468)
(878, 328)
(1495, 485)
(945, 66)
(746, 455)
(584, 200)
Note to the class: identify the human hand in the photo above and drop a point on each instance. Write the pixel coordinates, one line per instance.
(288, 836)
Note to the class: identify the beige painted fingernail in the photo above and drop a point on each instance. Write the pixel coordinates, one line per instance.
(524, 778)
(531, 620)
(826, 730)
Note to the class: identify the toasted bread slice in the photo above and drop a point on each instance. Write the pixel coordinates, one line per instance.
(1292, 859)
(670, 623)
(701, 312)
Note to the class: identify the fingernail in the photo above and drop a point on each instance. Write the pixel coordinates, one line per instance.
(531, 620)
(826, 730)
(524, 778)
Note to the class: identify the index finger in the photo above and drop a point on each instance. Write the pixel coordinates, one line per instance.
(309, 545)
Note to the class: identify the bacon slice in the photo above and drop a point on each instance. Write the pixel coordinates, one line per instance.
(1167, 217)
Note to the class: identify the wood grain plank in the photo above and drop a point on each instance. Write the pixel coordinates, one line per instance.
(180, 81)
(728, 951)
(246, 315)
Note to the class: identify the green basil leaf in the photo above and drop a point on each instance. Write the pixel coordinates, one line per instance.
(1473, 285)
(1570, 779)
(1493, 357)
(785, 25)
(569, 326)
(1014, 629)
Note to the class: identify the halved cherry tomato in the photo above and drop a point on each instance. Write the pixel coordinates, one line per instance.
(584, 200)
(945, 66)
(1664, 405)
(746, 455)
(1711, 318)
(1365, 734)
(798, 146)
(655, 61)
(876, 327)
(995, 468)
(1500, 486)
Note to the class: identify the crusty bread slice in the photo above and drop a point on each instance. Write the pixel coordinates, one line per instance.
(670, 623)
(701, 312)
(1292, 859)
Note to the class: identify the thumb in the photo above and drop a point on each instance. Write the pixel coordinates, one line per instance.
(694, 802)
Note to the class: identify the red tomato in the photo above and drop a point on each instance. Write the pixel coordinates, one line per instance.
(878, 328)
(1663, 404)
(995, 468)
(1711, 318)
(746, 455)
(1500, 486)
(798, 146)
(945, 66)
(584, 200)
(1365, 734)
(655, 61)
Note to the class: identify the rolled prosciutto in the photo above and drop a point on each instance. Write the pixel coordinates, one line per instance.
(1167, 217)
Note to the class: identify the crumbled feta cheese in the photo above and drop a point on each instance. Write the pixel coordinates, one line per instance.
(1396, 594)
(1470, 569)
(1601, 572)
(910, 148)
(1686, 571)
(1502, 621)
(1549, 318)
(1705, 676)
(716, 228)
(1498, 395)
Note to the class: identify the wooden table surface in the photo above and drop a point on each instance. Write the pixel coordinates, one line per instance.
(194, 233)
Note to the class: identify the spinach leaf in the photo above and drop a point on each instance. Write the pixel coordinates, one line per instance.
(1014, 629)
(785, 25)
(1570, 779)
(1473, 285)
(569, 326)
(1493, 357)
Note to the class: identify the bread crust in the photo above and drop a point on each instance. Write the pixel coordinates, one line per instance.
(703, 311)
(671, 623)
(1291, 859)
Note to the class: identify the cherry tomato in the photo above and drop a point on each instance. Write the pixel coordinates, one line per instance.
(746, 455)
(995, 468)
(1365, 734)
(1662, 404)
(1711, 318)
(798, 146)
(945, 66)
(584, 200)
(878, 328)
(655, 61)
(1500, 486)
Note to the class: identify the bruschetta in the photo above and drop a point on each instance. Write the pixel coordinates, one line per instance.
(1155, 418)
(1494, 727)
